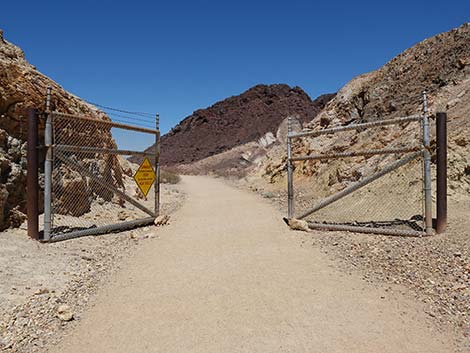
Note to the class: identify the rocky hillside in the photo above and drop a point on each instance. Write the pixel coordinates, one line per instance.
(395, 89)
(21, 87)
(440, 65)
(235, 121)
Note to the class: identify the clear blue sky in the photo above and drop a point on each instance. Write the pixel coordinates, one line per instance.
(173, 57)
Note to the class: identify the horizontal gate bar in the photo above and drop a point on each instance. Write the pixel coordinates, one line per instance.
(85, 149)
(103, 229)
(105, 122)
(357, 154)
(387, 169)
(357, 126)
(103, 183)
(360, 229)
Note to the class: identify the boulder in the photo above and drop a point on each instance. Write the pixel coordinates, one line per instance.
(297, 224)
(162, 220)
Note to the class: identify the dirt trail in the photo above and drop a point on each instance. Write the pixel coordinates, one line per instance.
(228, 276)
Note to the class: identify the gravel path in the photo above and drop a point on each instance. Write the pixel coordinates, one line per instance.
(36, 279)
(228, 276)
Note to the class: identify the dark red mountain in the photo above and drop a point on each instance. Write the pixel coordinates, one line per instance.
(237, 120)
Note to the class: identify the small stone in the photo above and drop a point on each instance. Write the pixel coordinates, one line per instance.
(461, 141)
(41, 291)
(297, 224)
(161, 220)
(64, 313)
(123, 215)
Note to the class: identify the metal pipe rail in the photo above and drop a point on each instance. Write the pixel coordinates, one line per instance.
(91, 150)
(333, 198)
(103, 229)
(394, 121)
(105, 122)
(357, 154)
(362, 229)
(103, 183)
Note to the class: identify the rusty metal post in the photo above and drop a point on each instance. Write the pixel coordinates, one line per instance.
(290, 182)
(48, 169)
(32, 185)
(427, 169)
(157, 166)
(441, 161)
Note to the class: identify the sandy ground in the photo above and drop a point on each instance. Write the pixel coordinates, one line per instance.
(228, 276)
(434, 270)
(37, 278)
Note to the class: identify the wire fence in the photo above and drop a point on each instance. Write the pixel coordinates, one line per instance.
(369, 177)
(93, 189)
(127, 117)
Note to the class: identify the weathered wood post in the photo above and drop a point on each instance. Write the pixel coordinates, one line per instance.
(441, 161)
(290, 182)
(427, 169)
(32, 185)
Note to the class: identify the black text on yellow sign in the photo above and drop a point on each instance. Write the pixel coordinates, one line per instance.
(145, 176)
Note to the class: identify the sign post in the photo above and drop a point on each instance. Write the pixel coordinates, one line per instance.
(145, 176)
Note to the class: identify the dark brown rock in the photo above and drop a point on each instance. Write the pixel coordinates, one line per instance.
(236, 121)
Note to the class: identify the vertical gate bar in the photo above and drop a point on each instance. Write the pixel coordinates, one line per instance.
(290, 182)
(48, 169)
(441, 160)
(157, 166)
(32, 185)
(427, 168)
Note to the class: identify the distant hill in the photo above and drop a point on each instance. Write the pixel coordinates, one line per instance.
(236, 121)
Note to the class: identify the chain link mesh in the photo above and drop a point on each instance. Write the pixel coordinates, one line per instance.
(393, 201)
(93, 185)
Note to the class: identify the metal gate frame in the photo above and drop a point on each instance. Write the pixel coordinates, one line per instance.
(423, 151)
(57, 151)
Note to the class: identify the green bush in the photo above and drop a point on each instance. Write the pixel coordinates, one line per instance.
(167, 177)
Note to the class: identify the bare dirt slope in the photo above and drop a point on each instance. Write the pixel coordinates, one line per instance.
(227, 276)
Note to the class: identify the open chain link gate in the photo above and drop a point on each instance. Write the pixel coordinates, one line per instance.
(88, 182)
(385, 190)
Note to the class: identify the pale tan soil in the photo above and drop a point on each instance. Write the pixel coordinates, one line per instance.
(228, 276)
(436, 269)
(35, 278)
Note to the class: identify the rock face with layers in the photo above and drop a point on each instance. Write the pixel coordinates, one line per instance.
(396, 88)
(235, 121)
(440, 65)
(12, 180)
(21, 87)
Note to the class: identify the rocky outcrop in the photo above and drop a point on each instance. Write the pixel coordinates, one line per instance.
(440, 65)
(396, 88)
(235, 121)
(12, 180)
(21, 87)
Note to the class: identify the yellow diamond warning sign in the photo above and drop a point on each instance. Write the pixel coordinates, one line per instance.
(145, 176)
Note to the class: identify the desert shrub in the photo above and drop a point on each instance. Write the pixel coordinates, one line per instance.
(167, 177)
